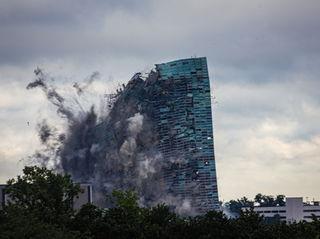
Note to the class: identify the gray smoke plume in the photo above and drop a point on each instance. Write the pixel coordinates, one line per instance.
(80, 88)
(52, 95)
(118, 151)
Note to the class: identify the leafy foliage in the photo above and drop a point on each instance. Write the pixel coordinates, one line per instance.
(41, 207)
(44, 194)
(269, 201)
(236, 206)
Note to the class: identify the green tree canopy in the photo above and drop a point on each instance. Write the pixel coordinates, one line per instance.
(41, 207)
(45, 194)
(269, 201)
(235, 206)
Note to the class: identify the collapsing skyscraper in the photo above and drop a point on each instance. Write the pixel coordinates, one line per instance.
(156, 138)
(184, 125)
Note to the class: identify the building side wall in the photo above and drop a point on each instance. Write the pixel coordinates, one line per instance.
(272, 212)
(294, 207)
(309, 211)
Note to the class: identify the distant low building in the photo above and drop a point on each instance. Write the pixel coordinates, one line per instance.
(3, 196)
(85, 196)
(295, 210)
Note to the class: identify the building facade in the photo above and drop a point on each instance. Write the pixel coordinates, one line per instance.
(295, 210)
(183, 118)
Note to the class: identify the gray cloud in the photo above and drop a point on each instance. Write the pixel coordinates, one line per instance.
(255, 36)
(263, 60)
(8, 168)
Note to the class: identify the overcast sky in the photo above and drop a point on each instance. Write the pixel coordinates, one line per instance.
(264, 63)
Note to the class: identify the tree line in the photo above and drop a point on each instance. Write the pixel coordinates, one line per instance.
(236, 206)
(41, 207)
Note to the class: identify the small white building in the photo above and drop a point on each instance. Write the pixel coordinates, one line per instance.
(295, 210)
